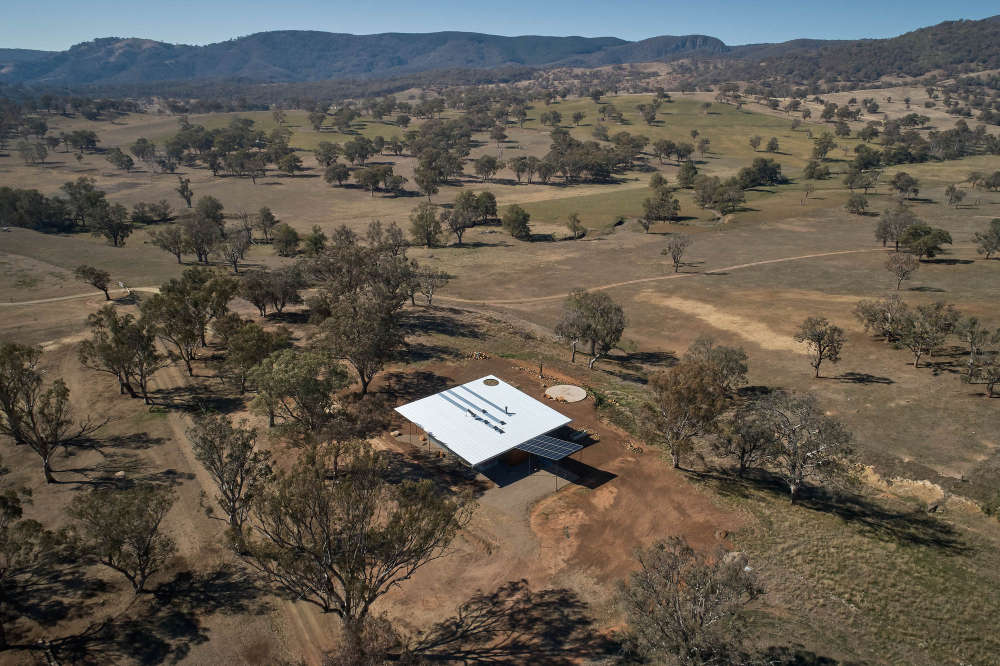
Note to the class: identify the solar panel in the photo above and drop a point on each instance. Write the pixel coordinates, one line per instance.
(549, 447)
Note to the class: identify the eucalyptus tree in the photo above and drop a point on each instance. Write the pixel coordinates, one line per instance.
(34, 414)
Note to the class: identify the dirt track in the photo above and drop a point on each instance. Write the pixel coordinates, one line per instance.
(536, 299)
(89, 294)
(656, 278)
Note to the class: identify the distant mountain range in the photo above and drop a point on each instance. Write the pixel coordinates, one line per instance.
(291, 55)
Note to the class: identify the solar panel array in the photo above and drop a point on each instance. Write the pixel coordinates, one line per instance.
(549, 447)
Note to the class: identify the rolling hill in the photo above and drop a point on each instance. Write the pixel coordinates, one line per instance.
(297, 56)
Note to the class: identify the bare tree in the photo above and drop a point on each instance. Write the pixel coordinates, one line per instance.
(893, 223)
(683, 607)
(987, 371)
(572, 328)
(232, 247)
(883, 317)
(429, 281)
(902, 266)
(807, 189)
(677, 245)
(575, 226)
(971, 331)
(805, 443)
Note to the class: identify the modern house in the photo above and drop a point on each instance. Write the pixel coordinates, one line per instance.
(484, 419)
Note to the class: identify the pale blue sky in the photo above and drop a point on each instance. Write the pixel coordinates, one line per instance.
(57, 24)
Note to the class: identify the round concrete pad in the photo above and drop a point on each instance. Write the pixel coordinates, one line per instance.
(566, 393)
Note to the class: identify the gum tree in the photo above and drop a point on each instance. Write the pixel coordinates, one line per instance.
(823, 339)
(34, 415)
(342, 543)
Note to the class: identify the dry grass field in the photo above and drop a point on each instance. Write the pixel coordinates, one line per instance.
(878, 579)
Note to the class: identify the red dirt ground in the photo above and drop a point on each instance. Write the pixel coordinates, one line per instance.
(578, 537)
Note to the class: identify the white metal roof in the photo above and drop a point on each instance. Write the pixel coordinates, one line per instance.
(480, 420)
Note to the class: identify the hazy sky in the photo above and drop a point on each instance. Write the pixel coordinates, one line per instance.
(57, 24)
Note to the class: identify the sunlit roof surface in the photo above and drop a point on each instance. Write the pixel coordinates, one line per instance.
(482, 419)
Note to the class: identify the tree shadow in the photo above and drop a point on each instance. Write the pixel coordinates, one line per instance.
(913, 527)
(119, 465)
(627, 372)
(941, 367)
(125, 471)
(45, 595)
(439, 321)
(479, 244)
(862, 378)
(408, 386)
(448, 473)
(136, 441)
(664, 358)
(196, 398)
(416, 352)
(163, 626)
(797, 655)
(130, 298)
(298, 318)
(948, 262)
(227, 589)
(693, 265)
(515, 625)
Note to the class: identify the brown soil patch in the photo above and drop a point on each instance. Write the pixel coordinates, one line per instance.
(596, 531)
(751, 330)
(577, 537)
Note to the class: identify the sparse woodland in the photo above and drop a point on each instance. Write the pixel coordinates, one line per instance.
(780, 295)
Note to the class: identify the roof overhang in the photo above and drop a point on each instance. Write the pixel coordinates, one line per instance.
(482, 419)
